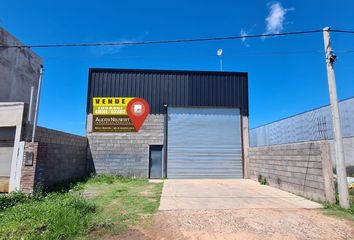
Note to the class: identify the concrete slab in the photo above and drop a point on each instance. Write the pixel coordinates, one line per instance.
(205, 194)
(156, 180)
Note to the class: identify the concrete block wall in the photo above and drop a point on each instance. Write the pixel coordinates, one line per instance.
(59, 158)
(46, 135)
(304, 169)
(125, 153)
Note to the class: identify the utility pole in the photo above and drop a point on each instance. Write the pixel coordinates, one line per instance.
(37, 103)
(337, 131)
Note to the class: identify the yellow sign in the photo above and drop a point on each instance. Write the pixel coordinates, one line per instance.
(110, 106)
(110, 115)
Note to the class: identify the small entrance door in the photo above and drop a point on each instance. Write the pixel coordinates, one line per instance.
(155, 161)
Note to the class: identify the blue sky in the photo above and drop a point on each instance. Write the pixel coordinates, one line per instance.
(287, 75)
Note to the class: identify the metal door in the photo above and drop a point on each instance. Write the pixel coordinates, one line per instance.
(155, 161)
(204, 143)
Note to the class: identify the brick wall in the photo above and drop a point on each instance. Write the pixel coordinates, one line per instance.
(58, 158)
(302, 168)
(125, 153)
(28, 173)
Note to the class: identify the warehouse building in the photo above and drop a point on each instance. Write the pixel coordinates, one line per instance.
(197, 126)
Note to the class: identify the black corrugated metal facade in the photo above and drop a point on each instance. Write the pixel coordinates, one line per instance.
(171, 88)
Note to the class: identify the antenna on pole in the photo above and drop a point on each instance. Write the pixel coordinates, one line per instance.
(219, 53)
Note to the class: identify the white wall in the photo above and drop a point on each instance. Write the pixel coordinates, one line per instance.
(11, 115)
(5, 160)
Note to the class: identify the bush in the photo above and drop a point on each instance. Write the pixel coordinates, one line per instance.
(336, 207)
(262, 180)
(12, 199)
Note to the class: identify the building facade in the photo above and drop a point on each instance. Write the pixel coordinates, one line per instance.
(20, 69)
(197, 126)
(53, 157)
(19, 73)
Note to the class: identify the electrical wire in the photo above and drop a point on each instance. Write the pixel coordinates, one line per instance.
(101, 44)
(158, 41)
(341, 31)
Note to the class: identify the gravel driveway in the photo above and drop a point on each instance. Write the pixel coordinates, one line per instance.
(237, 209)
(243, 224)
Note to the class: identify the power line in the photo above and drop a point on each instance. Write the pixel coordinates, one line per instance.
(230, 54)
(101, 44)
(341, 31)
(158, 41)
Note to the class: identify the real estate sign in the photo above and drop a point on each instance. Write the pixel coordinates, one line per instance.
(119, 114)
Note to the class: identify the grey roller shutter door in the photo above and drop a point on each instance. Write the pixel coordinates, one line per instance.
(204, 143)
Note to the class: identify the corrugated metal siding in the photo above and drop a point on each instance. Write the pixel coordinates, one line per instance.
(204, 143)
(174, 88)
(309, 126)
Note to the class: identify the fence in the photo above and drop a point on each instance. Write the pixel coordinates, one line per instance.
(314, 125)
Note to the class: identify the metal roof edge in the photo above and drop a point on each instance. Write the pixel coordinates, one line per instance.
(93, 69)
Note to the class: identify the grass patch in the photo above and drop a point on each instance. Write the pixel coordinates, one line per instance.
(96, 207)
(55, 216)
(121, 202)
(336, 211)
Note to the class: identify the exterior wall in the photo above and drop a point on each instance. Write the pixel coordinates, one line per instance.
(301, 168)
(128, 153)
(28, 172)
(58, 158)
(19, 68)
(11, 115)
(313, 125)
(125, 153)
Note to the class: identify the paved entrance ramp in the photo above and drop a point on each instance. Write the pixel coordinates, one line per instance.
(227, 194)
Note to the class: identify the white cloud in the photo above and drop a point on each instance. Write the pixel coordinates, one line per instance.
(108, 50)
(243, 34)
(111, 50)
(276, 17)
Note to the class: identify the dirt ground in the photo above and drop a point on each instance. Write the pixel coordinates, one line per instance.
(243, 224)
